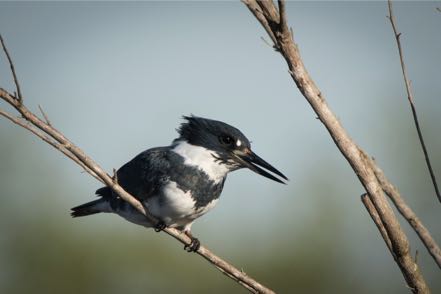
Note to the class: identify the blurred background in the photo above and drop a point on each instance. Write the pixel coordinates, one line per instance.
(116, 78)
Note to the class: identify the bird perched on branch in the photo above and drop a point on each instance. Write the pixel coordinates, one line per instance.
(181, 182)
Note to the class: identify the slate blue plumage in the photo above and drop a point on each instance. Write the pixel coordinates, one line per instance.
(183, 181)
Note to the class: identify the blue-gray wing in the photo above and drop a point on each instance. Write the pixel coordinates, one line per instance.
(143, 176)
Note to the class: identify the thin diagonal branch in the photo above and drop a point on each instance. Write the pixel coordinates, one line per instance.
(14, 75)
(411, 100)
(377, 220)
(350, 150)
(49, 134)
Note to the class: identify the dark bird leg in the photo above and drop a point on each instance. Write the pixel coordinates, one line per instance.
(194, 244)
(160, 225)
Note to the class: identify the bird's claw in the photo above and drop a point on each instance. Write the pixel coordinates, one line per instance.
(193, 246)
(160, 225)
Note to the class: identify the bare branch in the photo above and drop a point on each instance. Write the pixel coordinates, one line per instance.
(350, 150)
(411, 100)
(14, 75)
(46, 132)
(409, 215)
(377, 220)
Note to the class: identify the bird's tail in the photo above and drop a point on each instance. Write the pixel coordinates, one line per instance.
(92, 207)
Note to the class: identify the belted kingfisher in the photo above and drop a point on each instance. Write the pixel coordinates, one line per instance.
(183, 181)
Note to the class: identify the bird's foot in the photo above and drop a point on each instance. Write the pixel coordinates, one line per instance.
(160, 225)
(194, 244)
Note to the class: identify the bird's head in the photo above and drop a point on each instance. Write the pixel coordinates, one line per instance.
(229, 145)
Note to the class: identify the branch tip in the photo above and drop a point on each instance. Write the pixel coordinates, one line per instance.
(266, 42)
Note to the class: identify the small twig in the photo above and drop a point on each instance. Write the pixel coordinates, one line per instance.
(411, 100)
(46, 118)
(14, 75)
(268, 43)
(377, 220)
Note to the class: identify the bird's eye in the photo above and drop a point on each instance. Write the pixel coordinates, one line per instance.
(226, 140)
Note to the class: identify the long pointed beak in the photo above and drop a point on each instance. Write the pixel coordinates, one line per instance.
(251, 160)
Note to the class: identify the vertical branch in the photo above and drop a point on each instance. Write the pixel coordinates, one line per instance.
(411, 100)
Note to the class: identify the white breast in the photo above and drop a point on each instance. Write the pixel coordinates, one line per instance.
(176, 207)
(203, 159)
(174, 203)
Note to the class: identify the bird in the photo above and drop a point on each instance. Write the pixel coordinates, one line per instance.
(179, 183)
